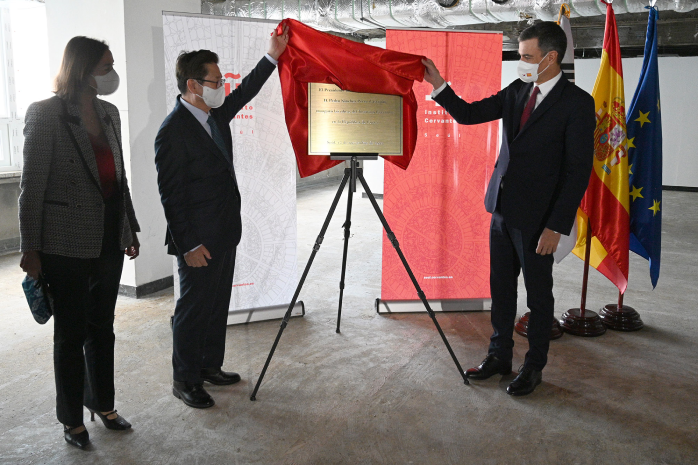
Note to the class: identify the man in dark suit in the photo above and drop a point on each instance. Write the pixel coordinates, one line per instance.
(538, 182)
(199, 192)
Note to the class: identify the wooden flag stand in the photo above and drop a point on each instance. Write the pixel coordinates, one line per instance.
(522, 327)
(580, 321)
(621, 317)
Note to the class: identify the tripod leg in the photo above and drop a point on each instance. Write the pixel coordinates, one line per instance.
(347, 229)
(316, 247)
(420, 293)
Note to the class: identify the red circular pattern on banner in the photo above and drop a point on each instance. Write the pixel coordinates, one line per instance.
(437, 235)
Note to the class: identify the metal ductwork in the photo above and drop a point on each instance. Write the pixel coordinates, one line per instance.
(347, 16)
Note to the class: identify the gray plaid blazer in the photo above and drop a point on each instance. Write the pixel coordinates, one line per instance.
(61, 210)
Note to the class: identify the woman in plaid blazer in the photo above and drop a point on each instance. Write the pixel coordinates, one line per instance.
(76, 222)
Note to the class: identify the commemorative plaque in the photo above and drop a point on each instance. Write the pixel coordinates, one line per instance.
(353, 122)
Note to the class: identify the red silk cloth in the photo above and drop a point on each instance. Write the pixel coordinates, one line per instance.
(314, 56)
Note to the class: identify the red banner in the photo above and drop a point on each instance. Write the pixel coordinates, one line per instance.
(436, 207)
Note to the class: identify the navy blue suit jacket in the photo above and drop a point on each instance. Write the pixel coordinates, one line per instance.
(547, 163)
(197, 183)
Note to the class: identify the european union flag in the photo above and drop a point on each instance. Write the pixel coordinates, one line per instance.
(644, 125)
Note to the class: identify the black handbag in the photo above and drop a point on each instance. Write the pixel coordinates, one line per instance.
(39, 298)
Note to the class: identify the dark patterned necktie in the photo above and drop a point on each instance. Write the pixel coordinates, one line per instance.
(218, 137)
(529, 107)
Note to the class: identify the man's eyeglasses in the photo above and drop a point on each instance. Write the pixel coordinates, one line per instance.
(217, 83)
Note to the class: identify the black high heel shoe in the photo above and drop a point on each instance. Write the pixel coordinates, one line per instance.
(118, 423)
(81, 439)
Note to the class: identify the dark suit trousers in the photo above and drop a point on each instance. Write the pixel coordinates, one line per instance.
(512, 250)
(201, 316)
(84, 297)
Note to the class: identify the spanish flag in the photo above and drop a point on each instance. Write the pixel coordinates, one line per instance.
(606, 202)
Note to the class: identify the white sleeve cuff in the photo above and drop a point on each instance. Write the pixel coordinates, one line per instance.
(436, 92)
(273, 61)
(195, 248)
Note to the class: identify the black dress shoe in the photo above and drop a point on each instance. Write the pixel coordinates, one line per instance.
(489, 367)
(219, 377)
(194, 395)
(118, 423)
(526, 382)
(81, 439)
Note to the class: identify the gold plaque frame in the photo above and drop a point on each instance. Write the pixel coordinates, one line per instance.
(341, 121)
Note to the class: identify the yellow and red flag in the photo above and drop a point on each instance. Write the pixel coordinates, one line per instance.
(606, 202)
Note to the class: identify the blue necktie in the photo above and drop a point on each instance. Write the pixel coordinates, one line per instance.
(218, 138)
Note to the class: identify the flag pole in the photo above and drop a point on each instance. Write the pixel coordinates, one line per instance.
(564, 10)
(621, 317)
(580, 321)
(585, 279)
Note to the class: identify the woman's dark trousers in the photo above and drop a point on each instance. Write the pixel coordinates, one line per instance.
(84, 293)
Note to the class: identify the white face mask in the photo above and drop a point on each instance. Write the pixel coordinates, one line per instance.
(107, 84)
(528, 72)
(213, 98)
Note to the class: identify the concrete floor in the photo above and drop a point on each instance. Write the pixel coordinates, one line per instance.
(385, 389)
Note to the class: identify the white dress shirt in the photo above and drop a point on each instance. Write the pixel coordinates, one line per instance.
(545, 89)
(200, 115)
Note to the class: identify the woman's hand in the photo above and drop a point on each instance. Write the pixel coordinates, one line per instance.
(134, 250)
(31, 263)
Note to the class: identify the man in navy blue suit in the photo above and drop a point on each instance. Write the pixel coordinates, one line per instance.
(200, 195)
(537, 184)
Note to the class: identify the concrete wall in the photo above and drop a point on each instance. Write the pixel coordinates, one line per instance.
(147, 109)
(678, 96)
(9, 225)
(99, 19)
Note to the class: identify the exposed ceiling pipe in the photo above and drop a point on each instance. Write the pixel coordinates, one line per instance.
(353, 15)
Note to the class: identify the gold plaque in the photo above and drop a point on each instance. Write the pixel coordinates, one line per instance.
(341, 121)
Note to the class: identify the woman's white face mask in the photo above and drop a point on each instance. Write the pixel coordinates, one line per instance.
(528, 72)
(108, 83)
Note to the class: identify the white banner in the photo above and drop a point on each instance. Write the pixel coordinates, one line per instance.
(265, 268)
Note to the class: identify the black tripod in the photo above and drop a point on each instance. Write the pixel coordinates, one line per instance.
(352, 174)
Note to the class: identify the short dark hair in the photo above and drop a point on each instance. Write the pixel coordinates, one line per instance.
(550, 37)
(192, 65)
(80, 57)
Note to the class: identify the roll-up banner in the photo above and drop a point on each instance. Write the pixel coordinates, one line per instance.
(265, 267)
(436, 207)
